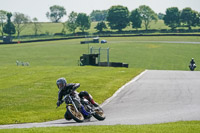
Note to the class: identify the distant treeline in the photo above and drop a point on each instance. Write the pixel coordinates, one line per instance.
(115, 18)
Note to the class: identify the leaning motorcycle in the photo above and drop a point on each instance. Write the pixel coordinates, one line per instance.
(192, 67)
(79, 110)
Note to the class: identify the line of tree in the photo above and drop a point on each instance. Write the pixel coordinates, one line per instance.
(185, 18)
(117, 18)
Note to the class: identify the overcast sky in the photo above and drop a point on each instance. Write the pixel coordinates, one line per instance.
(38, 8)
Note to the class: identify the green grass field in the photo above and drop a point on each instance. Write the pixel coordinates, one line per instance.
(177, 127)
(52, 28)
(138, 52)
(29, 94)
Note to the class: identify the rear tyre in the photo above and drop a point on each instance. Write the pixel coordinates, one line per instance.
(77, 116)
(99, 114)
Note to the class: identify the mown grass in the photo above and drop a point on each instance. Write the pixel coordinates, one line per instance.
(147, 53)
(52, 28)
(177, 127)
(138, 52)
(29, 94)
(55, 53)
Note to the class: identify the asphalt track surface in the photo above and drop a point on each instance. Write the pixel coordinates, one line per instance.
(153, 97)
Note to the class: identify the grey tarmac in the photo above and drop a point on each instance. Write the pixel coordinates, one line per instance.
(154, 96)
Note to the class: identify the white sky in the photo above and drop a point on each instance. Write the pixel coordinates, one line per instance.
(38, 8)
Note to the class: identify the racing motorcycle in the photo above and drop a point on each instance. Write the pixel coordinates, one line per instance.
(79, 110)
(192, 67)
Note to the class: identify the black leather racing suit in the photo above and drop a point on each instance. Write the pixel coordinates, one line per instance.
(192, 62)
(67, 89)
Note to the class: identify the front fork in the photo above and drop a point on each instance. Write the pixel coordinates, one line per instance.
(83, 111)
(73, 104)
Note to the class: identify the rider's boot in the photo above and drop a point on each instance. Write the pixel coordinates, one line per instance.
(87, 115)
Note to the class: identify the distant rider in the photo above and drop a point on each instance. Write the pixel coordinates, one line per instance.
(65, 89)
(192, 62)
(192, 65)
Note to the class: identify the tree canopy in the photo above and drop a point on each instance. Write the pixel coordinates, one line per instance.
(147, 15)
(98, 15)
(56, 13)
(189, 17)
(100, 26)
(83, 21)
(161, 16)
(9, 27)
(71, 22)
(36, 25)
(136, 19)
(172, 17)
(118, 17)
(21, 22)
(3, 15)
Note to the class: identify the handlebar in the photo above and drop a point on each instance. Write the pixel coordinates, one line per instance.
(63, 99)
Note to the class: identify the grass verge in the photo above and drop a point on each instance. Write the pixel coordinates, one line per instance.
(138, 52)
(176, 127)
(29, 94)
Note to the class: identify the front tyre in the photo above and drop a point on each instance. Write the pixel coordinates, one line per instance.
(67, 116)
(77, 116)
(99, 114)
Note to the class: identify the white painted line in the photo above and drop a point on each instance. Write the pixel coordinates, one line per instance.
(120, 89)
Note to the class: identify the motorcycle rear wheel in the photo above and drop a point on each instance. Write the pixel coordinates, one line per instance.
(77, 116)
(99, 114)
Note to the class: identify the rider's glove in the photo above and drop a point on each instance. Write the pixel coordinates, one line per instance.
(59, 103)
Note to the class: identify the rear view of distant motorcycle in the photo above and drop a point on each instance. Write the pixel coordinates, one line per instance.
(192, 65)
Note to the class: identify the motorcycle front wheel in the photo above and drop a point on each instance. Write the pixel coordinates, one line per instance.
(67, 116)
(77, 116)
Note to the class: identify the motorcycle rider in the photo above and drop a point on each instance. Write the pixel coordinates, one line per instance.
(192, 65)
(86, 95)
(192, 62)
(65, 89)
